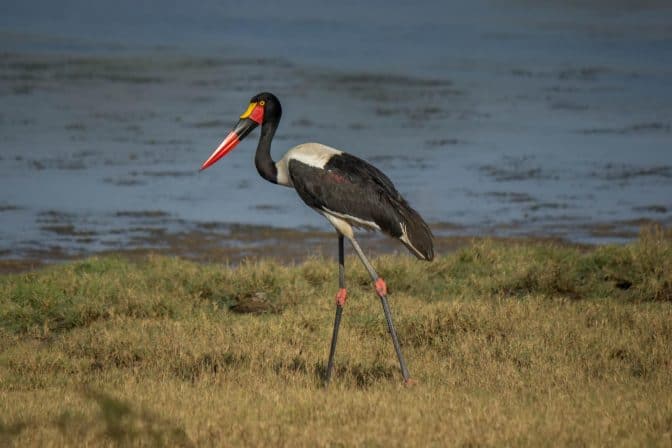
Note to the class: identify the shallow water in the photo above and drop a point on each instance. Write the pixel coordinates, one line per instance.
(497, 118)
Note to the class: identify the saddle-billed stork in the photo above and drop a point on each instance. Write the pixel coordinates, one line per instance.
(345, 189)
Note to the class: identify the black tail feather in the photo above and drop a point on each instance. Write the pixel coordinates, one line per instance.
(418, 236)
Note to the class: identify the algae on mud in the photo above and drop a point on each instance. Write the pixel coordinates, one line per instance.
(512, 344)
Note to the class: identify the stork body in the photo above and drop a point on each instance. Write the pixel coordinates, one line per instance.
(346, 190)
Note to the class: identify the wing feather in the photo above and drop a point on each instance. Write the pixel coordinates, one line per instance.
(355, 190)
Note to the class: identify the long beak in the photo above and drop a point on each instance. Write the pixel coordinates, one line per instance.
(239, 132)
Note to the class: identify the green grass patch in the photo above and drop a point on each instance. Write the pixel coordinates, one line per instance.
(512, 343)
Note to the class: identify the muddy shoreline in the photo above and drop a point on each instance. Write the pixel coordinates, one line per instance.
(231, 244)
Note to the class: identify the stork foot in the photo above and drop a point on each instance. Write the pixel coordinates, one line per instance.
(341, 296)
(410, 382)
(381, 287)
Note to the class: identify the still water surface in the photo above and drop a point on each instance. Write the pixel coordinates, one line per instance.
(492, 118)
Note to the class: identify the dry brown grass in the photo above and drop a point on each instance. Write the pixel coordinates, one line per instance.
(511, 344)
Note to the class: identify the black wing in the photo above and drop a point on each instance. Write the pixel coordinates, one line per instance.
(352, 187)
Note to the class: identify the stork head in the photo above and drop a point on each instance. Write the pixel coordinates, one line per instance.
(263, 107)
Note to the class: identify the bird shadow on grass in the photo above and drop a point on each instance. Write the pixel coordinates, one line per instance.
(118, 421)
(127, 426)
(8, 431)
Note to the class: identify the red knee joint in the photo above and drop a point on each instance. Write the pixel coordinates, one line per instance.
(341, 296)
(381, 287)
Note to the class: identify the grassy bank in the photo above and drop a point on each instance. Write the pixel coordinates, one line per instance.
(511, 343)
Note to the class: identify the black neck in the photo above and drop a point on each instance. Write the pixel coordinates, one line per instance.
(262, 159)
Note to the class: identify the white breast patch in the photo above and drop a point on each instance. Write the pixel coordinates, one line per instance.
(312, 154)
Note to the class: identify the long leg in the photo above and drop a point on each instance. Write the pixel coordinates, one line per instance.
(381, 289)
(340, 301)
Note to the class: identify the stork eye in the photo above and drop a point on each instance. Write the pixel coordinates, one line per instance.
(262, 102)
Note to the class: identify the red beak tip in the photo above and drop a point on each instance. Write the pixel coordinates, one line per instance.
(223, 149)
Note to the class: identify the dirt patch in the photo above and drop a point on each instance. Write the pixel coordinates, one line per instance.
(21, 265)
